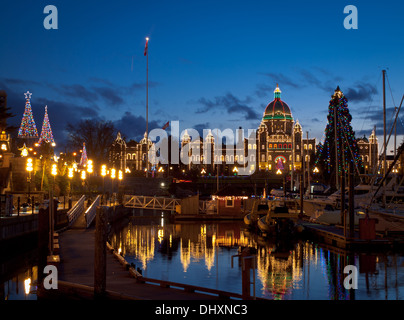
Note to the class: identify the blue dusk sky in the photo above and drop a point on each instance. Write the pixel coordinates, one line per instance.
(212, 64)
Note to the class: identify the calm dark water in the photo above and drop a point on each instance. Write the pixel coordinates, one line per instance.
(201, 254)
(18, 276)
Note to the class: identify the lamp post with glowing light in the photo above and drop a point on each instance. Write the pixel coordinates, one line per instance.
(120, 177)
(103, 174)
(54, 172)
(29, 169)
(113, 176)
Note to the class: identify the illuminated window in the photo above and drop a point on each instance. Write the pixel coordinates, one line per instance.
(229, 203)
(270, 146)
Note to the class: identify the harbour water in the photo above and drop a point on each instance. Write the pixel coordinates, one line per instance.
(201, 254)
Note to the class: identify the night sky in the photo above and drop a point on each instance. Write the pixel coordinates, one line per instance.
(212, 64)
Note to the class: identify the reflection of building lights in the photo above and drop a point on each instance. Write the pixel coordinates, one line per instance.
(160, 235)
(27, 285)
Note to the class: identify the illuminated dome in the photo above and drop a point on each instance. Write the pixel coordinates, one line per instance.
(277, 109)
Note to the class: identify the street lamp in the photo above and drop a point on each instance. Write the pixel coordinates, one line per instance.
(113, 176)
(90, 166)
(54, 172)
(103, 174)
(29, 169)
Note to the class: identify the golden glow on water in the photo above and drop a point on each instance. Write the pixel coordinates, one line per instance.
(282, 271)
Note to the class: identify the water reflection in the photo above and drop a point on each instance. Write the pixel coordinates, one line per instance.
(200, 254)
(20, 286)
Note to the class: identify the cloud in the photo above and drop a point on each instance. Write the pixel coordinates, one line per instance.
(320, 79)
(110, 95)
(134, 127)
(230, 104)
(361, 92)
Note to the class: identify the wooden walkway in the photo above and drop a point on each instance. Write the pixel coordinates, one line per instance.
(334, 236)
(76, 273)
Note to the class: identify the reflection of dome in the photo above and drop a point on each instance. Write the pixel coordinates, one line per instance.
(277, 109)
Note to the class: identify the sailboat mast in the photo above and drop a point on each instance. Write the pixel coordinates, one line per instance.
(384, 137)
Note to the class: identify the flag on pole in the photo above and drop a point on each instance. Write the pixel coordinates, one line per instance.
(166, 125)
(145, 48)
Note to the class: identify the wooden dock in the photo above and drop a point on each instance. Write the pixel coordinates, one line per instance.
(334, 236)
(123, 282)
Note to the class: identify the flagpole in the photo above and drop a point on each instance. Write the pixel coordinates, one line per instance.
(147, 108)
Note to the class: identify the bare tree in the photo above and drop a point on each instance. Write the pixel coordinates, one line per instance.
(97, 135)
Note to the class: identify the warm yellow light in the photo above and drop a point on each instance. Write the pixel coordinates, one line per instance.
(113, 173)
(29, 165)
(70, 173)
(4, 147)
(27, 285)
(235, 169)
(83, 174)
(103, 170)
(90, 166)
(127, 170)
(24, 152)
(316, 170)
(147, 38)
(120, 175)
(203, 171)
(279, 171)
(54, 170)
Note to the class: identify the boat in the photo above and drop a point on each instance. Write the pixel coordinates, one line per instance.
(279, 221)
(259, 209)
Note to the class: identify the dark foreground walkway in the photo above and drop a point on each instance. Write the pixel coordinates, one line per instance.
(77, 266)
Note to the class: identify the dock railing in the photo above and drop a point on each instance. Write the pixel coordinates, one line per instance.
(91, 211)
(76, 210)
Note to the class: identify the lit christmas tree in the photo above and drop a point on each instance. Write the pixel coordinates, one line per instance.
(83, 159)
(27, 128)
(46, 133)
(342, 143)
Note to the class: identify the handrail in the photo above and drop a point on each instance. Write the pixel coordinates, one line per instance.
(76, 211)
(91, 211)
(148, 202)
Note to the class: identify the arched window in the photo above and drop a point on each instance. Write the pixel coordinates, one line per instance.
(290, 146)
(285, 146)
(297, 158)
(270, 146)
(310, 147)
(279, 146)
(263, 157)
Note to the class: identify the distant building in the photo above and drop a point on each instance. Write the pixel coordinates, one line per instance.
(279, 147)
(368, 151)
